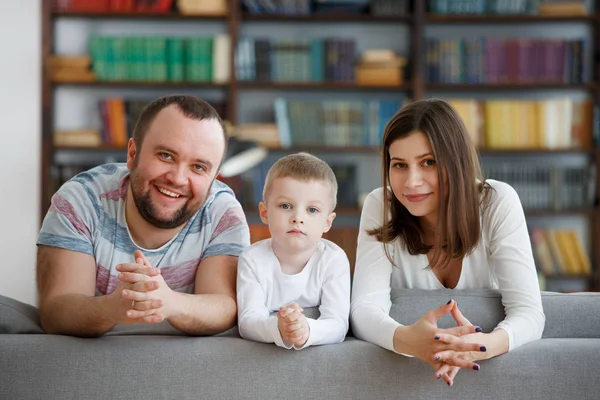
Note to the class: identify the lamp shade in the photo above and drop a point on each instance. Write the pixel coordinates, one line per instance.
(242, 155)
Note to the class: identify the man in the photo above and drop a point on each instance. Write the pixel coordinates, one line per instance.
(156, 239)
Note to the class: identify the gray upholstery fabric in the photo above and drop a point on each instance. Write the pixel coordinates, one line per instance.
(18, 317)
(573, 315)
(124, 365)
(158, 367)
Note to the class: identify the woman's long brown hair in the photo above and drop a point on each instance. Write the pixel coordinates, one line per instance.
(458, 227)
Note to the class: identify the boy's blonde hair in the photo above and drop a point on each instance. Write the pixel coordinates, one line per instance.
(302, 167)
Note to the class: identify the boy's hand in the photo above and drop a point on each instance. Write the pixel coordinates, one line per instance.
(293, 325)
(300, 335)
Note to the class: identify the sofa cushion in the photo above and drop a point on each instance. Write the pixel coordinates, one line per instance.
(568, 315)
(18, 317)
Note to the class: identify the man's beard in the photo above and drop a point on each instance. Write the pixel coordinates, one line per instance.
(143, 202)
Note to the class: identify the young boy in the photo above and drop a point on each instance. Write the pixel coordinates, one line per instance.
(296, 268)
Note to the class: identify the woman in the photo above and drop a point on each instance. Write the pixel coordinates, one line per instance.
(411, 236)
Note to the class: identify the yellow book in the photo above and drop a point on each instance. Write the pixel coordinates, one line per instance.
(561, 266)
(542, 252)
(568, 252)
(581, 255)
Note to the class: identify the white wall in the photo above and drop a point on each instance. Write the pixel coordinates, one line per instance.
(20, 120)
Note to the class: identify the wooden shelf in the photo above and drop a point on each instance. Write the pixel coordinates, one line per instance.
(447, 87)
(561, 213)
(327, 149)
(104, 147)
(505, 152)
(568, 277)
(325, 17)
(136, 15)
(504, 19)
(148, 84)
(316, 86)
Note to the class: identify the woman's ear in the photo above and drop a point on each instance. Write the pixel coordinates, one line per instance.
(262, 211)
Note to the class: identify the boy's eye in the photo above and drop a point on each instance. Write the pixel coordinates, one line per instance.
(285, 206)
(199, 167)
(313, 210)
(166, 156)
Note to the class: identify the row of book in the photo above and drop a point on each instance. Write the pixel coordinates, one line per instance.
(176, 59)
(158, 6)
(547, 187)
(536, 7)
(296, 60)
(520, 60)
(304, 7)
(559, 123)
(118, 117)
(332, 122)
(559, 252)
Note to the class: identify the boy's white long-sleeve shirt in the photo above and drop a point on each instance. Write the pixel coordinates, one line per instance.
(262, 288)
(502, 260)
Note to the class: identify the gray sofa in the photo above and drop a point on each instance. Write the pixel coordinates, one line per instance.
(128, 364)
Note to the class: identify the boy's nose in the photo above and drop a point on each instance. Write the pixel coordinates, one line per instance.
(296, 219)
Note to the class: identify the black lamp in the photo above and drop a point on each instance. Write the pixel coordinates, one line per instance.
(242, 156)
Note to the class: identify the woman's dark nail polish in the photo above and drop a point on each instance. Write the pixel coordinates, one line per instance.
(439, 376)
(482, 348)
(449, 301)
(478, 329)
(448, 383)
(437, 338)
(437, 358)
(476, 367)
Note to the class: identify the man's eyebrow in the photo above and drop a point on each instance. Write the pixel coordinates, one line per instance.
(421, 156)
(198, 160)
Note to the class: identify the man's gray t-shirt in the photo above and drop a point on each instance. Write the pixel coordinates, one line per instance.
(87, 215)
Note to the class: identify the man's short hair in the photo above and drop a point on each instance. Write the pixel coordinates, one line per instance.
(190, 106)
(302, 167)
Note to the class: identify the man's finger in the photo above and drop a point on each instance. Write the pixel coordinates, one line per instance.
(137, 268)
(133, 277)
(144, 286)
(139, 255)
(147, 305)
(460, 319)
(135, 314)
(134, 296)
(152, 319)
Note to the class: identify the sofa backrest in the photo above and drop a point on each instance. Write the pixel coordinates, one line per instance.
(568, 315)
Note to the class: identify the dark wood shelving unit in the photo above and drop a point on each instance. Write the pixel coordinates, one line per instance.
(505, 19)
(146, 85)
(478, 87)
(416, 86)
(585, 212)
(325, 17)
(527, 152)
(318, 86)
(136, 15)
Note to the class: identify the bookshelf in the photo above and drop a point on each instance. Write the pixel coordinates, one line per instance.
(416, 23)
